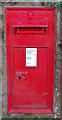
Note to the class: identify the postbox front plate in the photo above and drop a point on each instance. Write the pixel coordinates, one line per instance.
(30, 43)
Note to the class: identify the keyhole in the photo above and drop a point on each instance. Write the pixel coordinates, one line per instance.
(19, 77)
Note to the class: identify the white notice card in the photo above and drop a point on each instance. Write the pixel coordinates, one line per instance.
(31, 56)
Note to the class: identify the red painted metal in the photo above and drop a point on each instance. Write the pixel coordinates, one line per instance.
(30, 87)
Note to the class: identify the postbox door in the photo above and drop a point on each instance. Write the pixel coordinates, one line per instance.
(30, 77)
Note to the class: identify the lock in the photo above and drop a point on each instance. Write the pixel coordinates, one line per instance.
(21, 75)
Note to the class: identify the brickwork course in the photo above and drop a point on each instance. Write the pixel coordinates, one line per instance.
(3, 65)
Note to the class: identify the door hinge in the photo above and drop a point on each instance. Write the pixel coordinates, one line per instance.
(13, 71)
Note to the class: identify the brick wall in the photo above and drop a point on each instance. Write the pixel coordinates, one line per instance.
(3, 72)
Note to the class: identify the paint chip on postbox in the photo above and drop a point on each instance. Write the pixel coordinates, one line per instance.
(31, 56)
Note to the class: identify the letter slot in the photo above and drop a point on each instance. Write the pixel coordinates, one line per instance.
(31, 29)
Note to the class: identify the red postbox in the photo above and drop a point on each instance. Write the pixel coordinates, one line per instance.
(30, 42)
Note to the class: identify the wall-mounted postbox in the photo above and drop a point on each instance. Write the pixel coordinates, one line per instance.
(30, 42)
